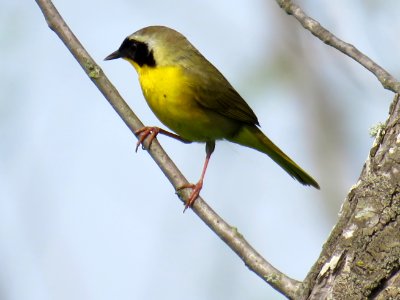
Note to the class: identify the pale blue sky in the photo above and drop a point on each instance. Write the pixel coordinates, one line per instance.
(84, 217)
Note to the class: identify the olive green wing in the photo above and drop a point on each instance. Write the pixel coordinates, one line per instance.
(213, 91)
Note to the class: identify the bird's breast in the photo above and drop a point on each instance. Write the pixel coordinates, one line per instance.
(169, 93)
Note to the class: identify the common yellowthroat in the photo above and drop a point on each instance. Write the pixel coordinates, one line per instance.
(193, 99)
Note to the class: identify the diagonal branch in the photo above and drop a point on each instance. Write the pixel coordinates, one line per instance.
(386, 79)
(253, 260)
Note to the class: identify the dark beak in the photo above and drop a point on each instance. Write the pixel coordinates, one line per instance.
(113, 55)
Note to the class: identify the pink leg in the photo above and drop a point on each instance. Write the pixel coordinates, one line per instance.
(196, 188)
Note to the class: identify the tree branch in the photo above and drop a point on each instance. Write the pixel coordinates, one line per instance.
(386, 79)
(230, 235)
(361, 258)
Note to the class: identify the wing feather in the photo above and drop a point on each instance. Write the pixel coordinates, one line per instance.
(213, 91)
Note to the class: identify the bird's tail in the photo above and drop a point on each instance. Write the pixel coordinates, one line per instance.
(251, 136)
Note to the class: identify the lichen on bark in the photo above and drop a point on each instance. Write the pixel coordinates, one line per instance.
(361, 259)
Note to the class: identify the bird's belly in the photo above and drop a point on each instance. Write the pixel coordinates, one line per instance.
(170, 97)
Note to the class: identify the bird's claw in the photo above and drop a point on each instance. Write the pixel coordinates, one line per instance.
(196, 188)
(145, 132)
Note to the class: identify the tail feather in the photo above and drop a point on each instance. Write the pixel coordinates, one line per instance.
(251, 136)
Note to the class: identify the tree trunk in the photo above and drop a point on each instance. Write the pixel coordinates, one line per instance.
(361, 258)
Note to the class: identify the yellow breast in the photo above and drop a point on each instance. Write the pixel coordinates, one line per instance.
(165, 90)
(169, 93)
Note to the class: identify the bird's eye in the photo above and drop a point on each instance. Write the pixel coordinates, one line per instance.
(133, 46)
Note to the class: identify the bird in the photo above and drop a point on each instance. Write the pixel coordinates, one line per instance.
(193, 99)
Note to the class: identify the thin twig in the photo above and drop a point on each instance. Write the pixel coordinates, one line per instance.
(385, 78)
(253, 260)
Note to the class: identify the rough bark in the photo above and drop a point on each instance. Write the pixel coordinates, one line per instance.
(361, 258)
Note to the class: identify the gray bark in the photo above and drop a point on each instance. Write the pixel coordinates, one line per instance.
(361, 258)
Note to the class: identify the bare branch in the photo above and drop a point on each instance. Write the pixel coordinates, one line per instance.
(386, 79)
(230, 235)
